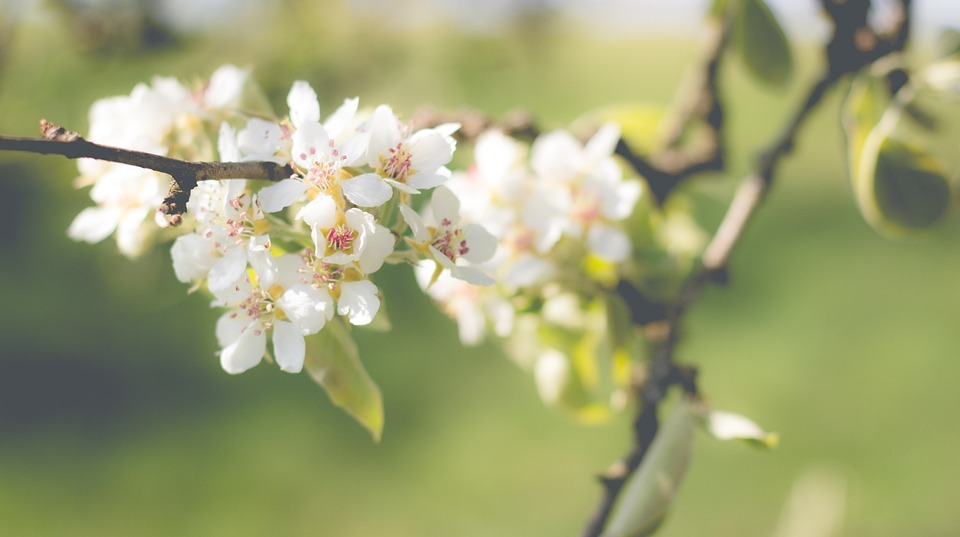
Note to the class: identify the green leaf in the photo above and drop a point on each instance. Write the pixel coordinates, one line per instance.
(649, 490)
(899, 188)
(333, 362)
(729, 426)
(762, 43)
(910, 189)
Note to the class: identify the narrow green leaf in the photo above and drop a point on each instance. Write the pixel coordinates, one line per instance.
(762, 44)
(332, 360)
(648, 492)
(729, 426)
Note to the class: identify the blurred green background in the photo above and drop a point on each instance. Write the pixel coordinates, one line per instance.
(115, 418)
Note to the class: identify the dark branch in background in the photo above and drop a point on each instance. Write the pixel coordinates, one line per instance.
(184, 174)
(853, 46)
(702, 107)
(518, 124)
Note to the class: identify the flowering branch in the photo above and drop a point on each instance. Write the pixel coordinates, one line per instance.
(57, 140)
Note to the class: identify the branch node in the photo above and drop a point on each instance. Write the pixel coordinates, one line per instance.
(56, 133)
(174, 205)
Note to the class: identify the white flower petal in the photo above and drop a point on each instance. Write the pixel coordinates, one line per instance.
(288, 347)
(385, 134)
(310, 142)
(552, 374)
(417, 227)
(621, 204)
(609, 243)
(471, 324)
(367, 190)
(262, 140)
(604, 142)
(445, 206)
(341, 117)
(94, 224)
(495, 154)
(134, 232)
(262, 263)
(193, 256)
(246, 351)
(358, 301)
(308, 308)
(429, 150)
(227, 270)
(320, 213)
(423, 181)
(226, 87)
(227, 144)
(289, 270)
(471, 275)
(379, 245)
(229, 327)
(527, 270)
(303, 103)
(443, 260)
(280, 195)
(482, 245)
(354, 149)
(400, 186)
(556, 156)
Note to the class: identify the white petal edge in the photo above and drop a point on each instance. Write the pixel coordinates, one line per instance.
(280, 195)
(288, 347)
(367, 190)
(358, 301)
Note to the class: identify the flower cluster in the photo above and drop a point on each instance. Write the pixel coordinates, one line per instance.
(283, 259)
(558, 209)
(527, 245)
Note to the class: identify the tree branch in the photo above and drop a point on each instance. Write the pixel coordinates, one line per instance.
(184, 174)
(700, 104)
(846, 53)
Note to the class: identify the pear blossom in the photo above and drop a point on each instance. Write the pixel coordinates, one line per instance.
(231, 232)
(450, 245)
(125, 197)
(355, 295)
(409, 162)
(320, 152)
(278, 302)
(341, 238)
(582, 193)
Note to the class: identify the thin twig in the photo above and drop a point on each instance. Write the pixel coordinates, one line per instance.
(184, 174)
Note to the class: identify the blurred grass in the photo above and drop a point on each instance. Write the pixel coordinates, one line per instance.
(116, 420)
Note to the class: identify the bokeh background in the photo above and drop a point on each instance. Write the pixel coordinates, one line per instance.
(115, 418)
